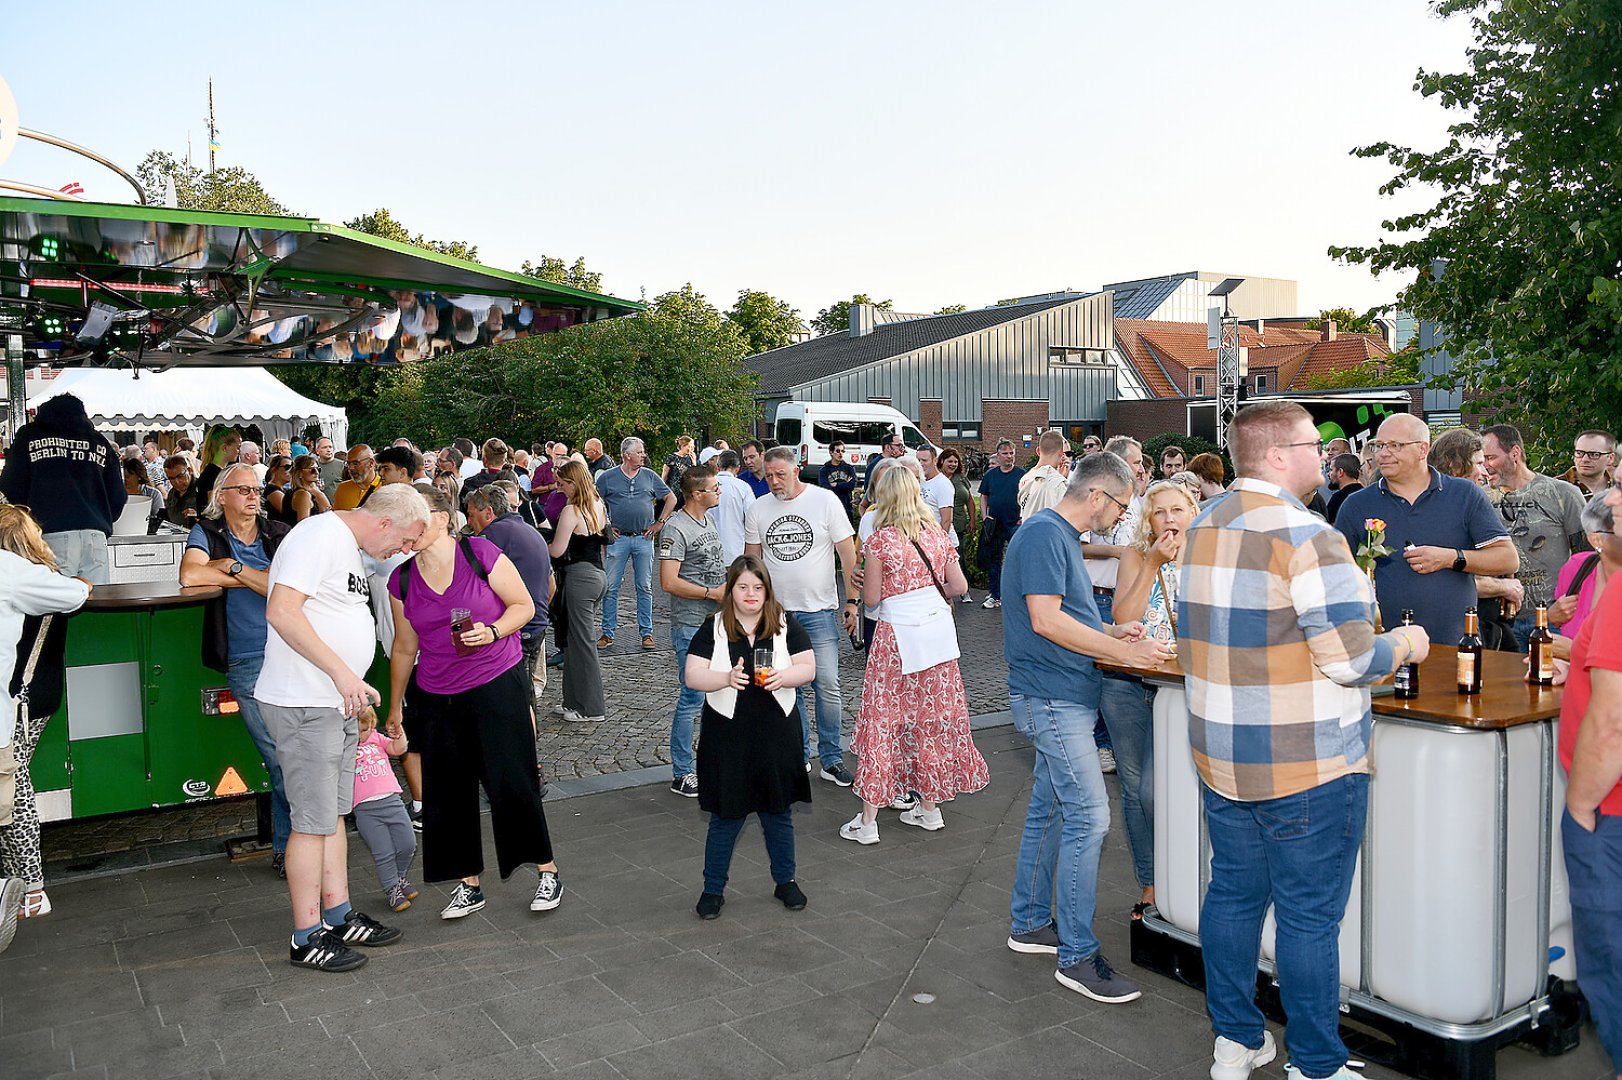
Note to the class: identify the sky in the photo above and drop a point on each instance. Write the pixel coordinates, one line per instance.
(931, 153)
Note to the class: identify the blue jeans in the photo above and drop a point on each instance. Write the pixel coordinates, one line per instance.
(1128, 708)
(689, 703)
(1526, 620)
(994, 566)
(1064, 827)
(1594, 868)
(638, 549)
(240, 676)
(1106, 611)
(723, 837)
(823, 628)
(1298, 853)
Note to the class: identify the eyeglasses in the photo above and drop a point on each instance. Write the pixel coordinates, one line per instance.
(1593, 453)
(1382, 447)
(1319, 443)
(1124, 506)
(706, 490)
(362, 461)
(241, 489)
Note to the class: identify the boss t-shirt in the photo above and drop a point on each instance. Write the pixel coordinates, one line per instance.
(320, 559)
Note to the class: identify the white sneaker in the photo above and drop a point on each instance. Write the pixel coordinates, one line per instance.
(992, 602)
(862, 834)
(558, 711)
(1233, 1061)
(1346, 1072)
(916, 816)
(903, 802)
(572, 717)
(1106, 760)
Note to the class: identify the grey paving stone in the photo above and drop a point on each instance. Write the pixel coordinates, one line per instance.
(1053, 1054)
(662, 983)
(29, 1007)
(460, 1035)
(821, 1029)
(689, 1016)
(333, 1059)
(34, 1053)
(761, 958)
(193, 941)
(548, 1012)
(592, 1044)
(704, 1055)
(522, 1063)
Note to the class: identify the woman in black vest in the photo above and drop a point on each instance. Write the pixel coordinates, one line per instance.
(231, 546)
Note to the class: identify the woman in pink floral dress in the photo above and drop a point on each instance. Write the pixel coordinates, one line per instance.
(912, 733)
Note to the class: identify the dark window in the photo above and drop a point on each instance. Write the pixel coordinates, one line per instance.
(828, 431)
(874, 432)
(1199, 385)
(788, 431)
(913, 438)
(1261, 384)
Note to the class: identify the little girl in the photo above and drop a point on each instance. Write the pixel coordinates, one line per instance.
(380, 815)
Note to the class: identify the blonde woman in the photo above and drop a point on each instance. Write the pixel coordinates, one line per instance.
(1146, 592)
(29, 586)
(305, 496)
(912, 733)
(220, 448)
(677, 464)
(577, 553)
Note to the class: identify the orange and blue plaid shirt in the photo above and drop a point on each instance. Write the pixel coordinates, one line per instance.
(1276, 640)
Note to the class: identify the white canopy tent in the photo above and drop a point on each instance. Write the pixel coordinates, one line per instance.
(190, 398)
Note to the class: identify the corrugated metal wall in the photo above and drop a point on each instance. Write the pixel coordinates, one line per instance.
(1005, 362)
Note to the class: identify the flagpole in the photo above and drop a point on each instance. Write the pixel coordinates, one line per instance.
(213, 132)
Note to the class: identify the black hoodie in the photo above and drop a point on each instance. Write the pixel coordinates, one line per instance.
(64, 470)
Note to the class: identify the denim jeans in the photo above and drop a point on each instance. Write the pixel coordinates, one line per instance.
(1298, 853)
(240, 676)
(638, 550)
(689, 703)
(80, 553)
(823, 628)
(1106, 612)
(1057, 870)
(723, 837)
(1594, 868)
(1128, 708)
(1525, 622)
(1005, 533)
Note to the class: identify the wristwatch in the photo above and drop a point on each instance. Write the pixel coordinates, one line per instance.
(1458, 563)
(234, 569)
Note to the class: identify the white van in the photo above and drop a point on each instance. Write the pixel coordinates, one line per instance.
(810, 426)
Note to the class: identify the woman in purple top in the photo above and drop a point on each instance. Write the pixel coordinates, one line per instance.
(469, 703)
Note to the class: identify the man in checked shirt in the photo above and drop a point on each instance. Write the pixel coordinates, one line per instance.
(1276, 637)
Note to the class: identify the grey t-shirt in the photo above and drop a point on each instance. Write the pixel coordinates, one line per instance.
(1545, 520)
(696, 545)
(630, 498)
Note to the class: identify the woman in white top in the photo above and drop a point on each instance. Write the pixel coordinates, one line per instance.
(29, 585)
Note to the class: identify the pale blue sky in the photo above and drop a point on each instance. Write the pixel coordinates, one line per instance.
(933, 153)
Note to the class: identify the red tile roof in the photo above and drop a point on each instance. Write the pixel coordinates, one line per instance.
(1168, 354)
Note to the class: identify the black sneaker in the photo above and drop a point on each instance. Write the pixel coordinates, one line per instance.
(361, 929)
(555, 659)
(465, 900)
(789, 892)
(685, 786)
(415, 816)
(549, 893)
(838, 774)
(278, 863)
(1044, 939)
(709, 905)
(1097, 980)
(324, 952)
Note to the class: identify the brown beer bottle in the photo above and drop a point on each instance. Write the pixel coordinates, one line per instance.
(1540, 652)
(1407, 676)
(1470, 654)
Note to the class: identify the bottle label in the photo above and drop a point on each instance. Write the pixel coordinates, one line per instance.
(1545, 662)
(1404, 679)
(1467, 669)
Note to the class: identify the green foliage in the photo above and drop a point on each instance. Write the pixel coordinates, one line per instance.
(558, 272)
(764, 321)
(836, 316)
(952, 309)
(1346, 319)
(672, 370)
(232, 189)
(384, 224)
(1399, 370)
(1192, 445)
(1527, 218)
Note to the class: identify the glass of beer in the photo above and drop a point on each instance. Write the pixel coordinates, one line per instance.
(763, 665)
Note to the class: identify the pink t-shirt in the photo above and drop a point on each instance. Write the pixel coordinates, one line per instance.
(439, 669)
(1585, 595)
(374, 776)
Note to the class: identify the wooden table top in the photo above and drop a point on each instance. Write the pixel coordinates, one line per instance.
(145, 594)
(1506, 699)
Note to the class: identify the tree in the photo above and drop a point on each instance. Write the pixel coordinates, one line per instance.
(764, 321)
(953, 309)
(1345, 319)
(232, 189)
(559, 273)
(1517, 258)
(836, 316)
(381, 222)
(1399, 370)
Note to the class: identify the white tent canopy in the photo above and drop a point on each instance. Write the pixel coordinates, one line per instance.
(190, 398)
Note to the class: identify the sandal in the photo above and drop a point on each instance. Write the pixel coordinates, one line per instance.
(1138, 910)
(35, 904)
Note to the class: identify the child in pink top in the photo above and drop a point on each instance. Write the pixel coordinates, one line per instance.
(380, 815)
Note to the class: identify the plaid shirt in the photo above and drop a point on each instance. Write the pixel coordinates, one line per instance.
(1276, 636)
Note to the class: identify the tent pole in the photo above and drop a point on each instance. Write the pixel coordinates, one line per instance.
(16, 390)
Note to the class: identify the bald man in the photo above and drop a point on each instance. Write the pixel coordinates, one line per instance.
(363, 479)
(1442, 530)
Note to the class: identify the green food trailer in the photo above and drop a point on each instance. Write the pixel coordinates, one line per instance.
(143, 722)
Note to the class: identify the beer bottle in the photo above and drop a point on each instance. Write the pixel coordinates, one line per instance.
(1407, 677)
(1540, 652)
(1470, 654)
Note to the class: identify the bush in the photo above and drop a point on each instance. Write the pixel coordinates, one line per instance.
(1191, 444)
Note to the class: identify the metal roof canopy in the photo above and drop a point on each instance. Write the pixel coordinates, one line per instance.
(202, 287)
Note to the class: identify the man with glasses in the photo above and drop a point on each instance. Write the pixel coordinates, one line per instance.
(1545, 519)
(1092, 444)
(891, 447)
(1052, 632)
(1594, 467)
(180, 503)
(1441, 529)
(363, 479)
(1276, 637)
(693, 571)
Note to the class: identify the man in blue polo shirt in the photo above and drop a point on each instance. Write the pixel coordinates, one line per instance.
(1441, 530)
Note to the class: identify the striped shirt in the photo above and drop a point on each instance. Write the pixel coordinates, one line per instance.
(1276, 637)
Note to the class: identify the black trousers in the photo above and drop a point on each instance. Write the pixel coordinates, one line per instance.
(480, 736)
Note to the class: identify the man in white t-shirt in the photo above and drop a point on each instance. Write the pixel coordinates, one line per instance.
(1044, 485)
(320, 641)
(736, 499)
(937, 490)
(797, 529)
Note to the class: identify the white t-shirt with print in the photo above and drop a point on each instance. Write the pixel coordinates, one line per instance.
(797, 538)
(937, 493)
(320, 559)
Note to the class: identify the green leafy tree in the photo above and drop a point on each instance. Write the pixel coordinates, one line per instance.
(953, 309)
(1399, 370)
(558, 272)
(764, 321)
(381, 222)
(1526, 226)
(1345, 319)
(232, 189)
(836, 316)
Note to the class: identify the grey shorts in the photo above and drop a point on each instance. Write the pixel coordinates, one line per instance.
(316, 750)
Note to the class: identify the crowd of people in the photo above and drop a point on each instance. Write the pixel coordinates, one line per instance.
(460, 560)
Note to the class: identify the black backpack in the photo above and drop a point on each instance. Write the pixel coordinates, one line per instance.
(465, 546)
